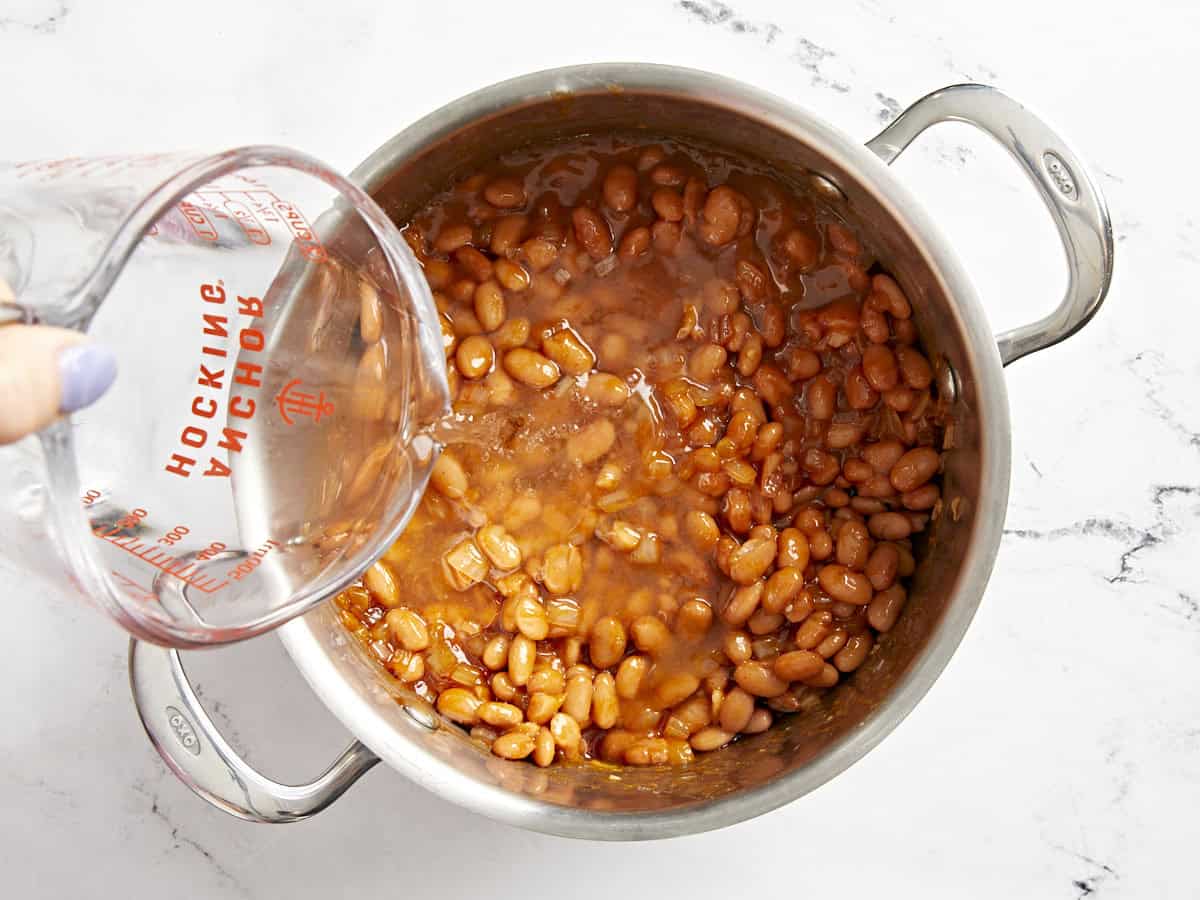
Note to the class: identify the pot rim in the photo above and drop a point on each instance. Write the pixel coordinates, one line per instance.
(983, 358)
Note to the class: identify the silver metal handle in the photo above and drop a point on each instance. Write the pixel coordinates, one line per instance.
(194, 750)
(1063, 182)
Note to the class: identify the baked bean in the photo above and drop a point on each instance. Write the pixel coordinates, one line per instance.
(813, 630)
(634, 242)
(827, 677)
(505, 193)
(853, 545)
(854, 653)
(475, 356)
(898, 304)
(675, 688)
(881, 567)
(705, 361)
(408, 629)
(650, 635)
(758, 679)
(889, 526)
(531, 368)
(885, 608)
(665, 236)
(382, 585)
(452, 237)
(798, 665)
(562, 569)
(668, 204)
(511, 275)
(605, 707)
(521, 654)
(772, 385)
(821, 398)
(858, 390)
(620, 188)
(572, 355)
(742, 603)
(782, 588)
(832, 643)
(592, 442)
(736, 710)
(737, 647)
(478, 266)
(845, 585)
(448, 477)
(924, 497)
(629, 676)
(751, 560)
(577, 702)
(708, 739)
(914, 367)
(694, 618)
(607, 643)
(880, 368)
(459, 705)
(842, 239)
(592, 232)
(721, 216)
(914, 468)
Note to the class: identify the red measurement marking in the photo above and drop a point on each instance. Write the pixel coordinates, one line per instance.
(132, 588)
(187, 572)
(293, 402)
(249, 222)
(195, 216)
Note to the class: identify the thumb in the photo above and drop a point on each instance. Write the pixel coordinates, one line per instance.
(45, 372)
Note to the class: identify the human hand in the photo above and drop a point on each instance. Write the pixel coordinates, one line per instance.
(45, 372)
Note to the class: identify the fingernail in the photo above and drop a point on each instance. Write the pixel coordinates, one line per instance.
(85, 372)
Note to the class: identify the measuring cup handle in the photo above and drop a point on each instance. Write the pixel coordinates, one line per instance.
(189, 743)
(1062, 181)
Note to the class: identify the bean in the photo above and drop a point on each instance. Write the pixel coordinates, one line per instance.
(705, 361)
(758, 679)
(478, 266)
(592, 232)
(798, 665)
(649, 635)
(511, 275)
(782, 588)
(721, 216)
(591, 442)
(565, 730)
(845, 585)
(666, 236)
(736, 710)
(914, 468)
(883, 455)
(448, 477)
(605, 707)
(507, 234)
(667, 203)
(924, 497)
(634, 242)
(531, 368)
(475, 356)
(606, 645)
(562, 569)
(898, 304)
(567, 349)
(675, 688)
(813, 630)
(886, 607)
(606, 390)
(792, 549)
(827, 677)
(889, 526)
(707, 739)
(759, 722)
(880, 368)
(629, 676)
(853, 545)
(853, 654)
(505, 193)
(620, 188)
(821, 398)
(382, 585)
(459, 705)
(578, 700)
(408, 629)
(751, 560)
(858, 390)
(742, 603)
(453, 237)
(737, 647)
(694, 618)
(914, 368)
(881, 567)
(502, 715)
(833, 642)
(522, 653)
(514, 744)
(702, 529)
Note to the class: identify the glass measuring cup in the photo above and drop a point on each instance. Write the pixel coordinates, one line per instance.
(280, 359)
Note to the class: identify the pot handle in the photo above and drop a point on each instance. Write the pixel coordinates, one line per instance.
(1062, 180)
(189, 743)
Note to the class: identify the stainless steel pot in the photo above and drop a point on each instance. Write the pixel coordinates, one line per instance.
(804, 751)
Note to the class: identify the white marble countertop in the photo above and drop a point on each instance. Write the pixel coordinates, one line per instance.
(1059, 754)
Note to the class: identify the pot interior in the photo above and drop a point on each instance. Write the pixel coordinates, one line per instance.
(804, 749)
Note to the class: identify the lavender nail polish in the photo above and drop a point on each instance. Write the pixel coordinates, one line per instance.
(85, 372)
